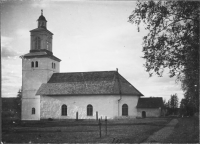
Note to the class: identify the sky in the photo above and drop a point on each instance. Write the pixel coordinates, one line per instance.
(88, 36)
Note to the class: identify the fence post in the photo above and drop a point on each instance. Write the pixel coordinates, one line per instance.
(76, 116)
(100, 127)
(97, 115)
(106, 124)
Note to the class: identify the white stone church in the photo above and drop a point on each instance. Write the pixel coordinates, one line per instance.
(47, 93)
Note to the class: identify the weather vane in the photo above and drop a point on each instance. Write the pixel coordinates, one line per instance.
(41, 11)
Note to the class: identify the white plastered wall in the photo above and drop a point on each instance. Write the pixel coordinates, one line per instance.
(32, 78)
(150, 112)
(105, 105)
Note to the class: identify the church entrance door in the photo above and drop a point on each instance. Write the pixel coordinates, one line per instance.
(143, 114)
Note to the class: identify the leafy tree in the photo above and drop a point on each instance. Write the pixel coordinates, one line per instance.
(173, 33)
(172, 41)
(185, 108)
(166, 103)
(172, 105)
(18, 101)
(167, 106)
(174, 101)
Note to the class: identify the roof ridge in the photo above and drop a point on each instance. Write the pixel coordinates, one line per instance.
(151, 97)
(82, 72)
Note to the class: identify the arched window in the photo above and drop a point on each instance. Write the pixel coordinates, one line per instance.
(37, 43)
(33, 110)
(32, 64)
(124, 110)
(52, 65)
(47, 45)
(89, 110)
(36, 64)
(64, 110)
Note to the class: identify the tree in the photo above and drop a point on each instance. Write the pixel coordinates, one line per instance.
(167, 106)
(172, 104)
(18, 101)
(172, 41)
(165, 103)
(174, 101)
(185, 108)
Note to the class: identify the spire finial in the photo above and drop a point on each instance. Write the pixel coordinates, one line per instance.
(41, 11)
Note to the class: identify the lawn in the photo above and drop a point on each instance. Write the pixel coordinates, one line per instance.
(186, 131)
(86, 131)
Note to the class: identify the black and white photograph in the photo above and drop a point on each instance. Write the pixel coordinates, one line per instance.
(100, 71)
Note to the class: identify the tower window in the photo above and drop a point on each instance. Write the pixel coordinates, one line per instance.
(32, 64)
(124, 110)
(53, 65)
(33, 110)
(64, 110)
(47, 45)
(37, 43)
(89, 110)
(36, 64)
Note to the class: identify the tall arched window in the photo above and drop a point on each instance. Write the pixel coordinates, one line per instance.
(64, 110)
(32, 64)
(124, 110)
(52, 65)
(37, 43)
(47, 45)
(36, 64)
(33, 110)
(89, 110)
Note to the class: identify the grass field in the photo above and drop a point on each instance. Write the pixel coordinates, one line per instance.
(87, 131)
(186, 131)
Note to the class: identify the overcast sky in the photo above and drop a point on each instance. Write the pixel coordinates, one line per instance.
(88, 36)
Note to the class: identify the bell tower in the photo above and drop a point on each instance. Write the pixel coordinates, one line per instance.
(41, 38)
(37, 67)
(42, 22)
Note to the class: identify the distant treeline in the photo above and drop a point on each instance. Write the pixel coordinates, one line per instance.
(11, 108)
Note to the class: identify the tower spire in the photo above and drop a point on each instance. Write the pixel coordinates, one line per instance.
(42, 21)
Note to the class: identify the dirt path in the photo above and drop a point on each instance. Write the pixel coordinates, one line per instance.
(163, 133)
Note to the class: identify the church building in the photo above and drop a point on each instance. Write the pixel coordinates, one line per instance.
(47, 93)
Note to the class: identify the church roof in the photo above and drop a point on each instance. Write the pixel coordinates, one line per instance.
(41, 29)
(42, 18)
(41, 53)
(88, 83)
(152, 102)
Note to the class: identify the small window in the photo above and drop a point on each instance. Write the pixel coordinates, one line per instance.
(33, 110)
(32, 64)
(124, 110)
(64, 110)
(36, 64)
(89, 110)
(52, 65)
